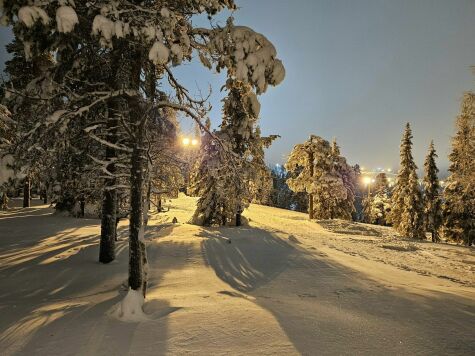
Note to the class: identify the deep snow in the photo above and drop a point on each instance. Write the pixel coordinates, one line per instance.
(284, 285)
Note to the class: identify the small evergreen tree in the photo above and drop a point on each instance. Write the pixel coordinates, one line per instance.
(459, 193)
(377, 206)
(432, 201)
(406, 208)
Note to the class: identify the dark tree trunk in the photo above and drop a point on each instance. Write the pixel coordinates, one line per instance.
(238, 219)
(82, 205)
(109, 202)
(108, 226)
(137, 250)
(26, 192)
(136, 221)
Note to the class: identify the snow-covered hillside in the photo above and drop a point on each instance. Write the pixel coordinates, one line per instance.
(279, 285)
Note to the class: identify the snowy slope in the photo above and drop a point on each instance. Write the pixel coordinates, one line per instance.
(282, 285)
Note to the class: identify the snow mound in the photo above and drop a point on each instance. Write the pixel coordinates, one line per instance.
(30, 14)
(130, 308)
(66, 19)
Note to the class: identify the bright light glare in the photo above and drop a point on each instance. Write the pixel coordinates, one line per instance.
(186, 141)
(367, 180)
(194, 142)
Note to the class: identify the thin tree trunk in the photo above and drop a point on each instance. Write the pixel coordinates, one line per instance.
(238, 217)
(26, 192)
(82, 204)
(4, 205)
(109, 202)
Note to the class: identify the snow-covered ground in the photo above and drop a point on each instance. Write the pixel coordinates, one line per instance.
(281, 285)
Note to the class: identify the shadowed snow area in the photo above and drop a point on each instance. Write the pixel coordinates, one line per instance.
(281, 285)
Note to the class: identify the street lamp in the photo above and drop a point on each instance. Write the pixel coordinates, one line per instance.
(367, 181)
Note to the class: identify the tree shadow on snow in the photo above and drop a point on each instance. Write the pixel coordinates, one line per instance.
(324, 307)
(245, 258)
(54, 292)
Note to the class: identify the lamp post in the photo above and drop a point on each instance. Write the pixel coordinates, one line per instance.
(367, 181)
(188, 144)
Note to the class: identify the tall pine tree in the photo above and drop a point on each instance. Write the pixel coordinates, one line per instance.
(406, 212)
(459, 193)
(432, 201)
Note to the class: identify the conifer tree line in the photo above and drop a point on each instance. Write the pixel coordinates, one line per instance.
(92, 101)
(316, 170)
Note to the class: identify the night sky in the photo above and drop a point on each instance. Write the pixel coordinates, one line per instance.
(357, 70)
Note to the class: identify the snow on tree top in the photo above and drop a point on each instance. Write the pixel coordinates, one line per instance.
(30, 14)
(66, 19)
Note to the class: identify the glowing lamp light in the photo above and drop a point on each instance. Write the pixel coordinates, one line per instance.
(186, 141)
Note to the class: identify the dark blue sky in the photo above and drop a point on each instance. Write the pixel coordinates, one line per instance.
(358, 70)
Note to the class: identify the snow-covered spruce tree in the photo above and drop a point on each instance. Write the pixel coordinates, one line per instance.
(210, 179)
(324, 175)
(432, 200)
(301, 165)
(459, 192)
(343, 208)
(260, 181)
(21, 73)
(244, 167)
(282, 196)
(406, 203)
(377, 206)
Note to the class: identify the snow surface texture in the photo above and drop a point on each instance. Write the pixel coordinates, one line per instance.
(284, 285)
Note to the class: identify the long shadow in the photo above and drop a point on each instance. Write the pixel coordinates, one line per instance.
(47, 301)
(326, 308)
(244, 258)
